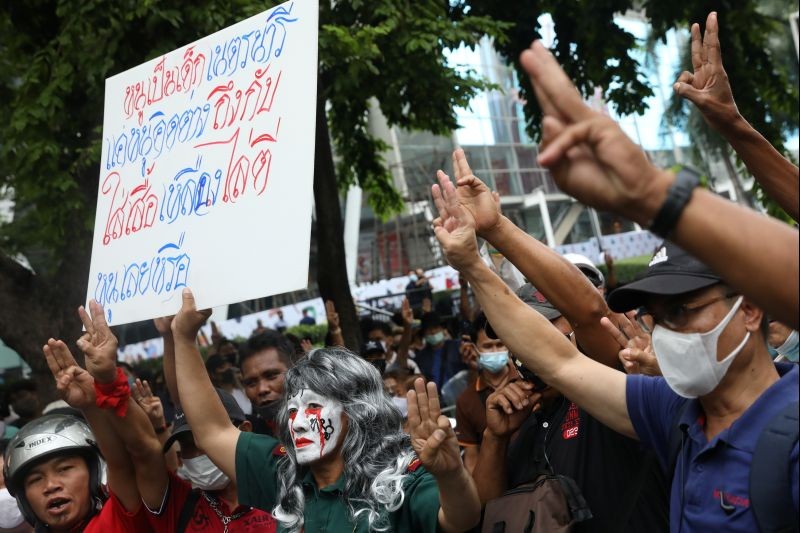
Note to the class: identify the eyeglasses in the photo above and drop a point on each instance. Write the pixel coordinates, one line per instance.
(677, 316)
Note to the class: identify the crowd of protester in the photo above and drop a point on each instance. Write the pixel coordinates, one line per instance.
(570, 403)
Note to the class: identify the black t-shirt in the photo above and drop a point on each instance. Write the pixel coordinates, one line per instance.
(603, 463)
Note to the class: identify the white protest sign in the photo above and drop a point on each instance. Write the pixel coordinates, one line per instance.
(207, 169)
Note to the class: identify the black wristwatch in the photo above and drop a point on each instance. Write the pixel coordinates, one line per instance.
(677, 197)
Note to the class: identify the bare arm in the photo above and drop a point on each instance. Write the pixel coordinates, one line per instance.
(529, 335)
(76, 387)
(164, 327)
(709, 89)
(134, 429)
(211, 426)
(563, 285)
(333, 324)
(558, 280)
(464, 306)
(595, 387)
(405, 339)
(594, 161)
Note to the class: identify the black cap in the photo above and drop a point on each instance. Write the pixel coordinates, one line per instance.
(672, 271)
(181, 425)
(430, 320)
(372, 348)
(536, 300)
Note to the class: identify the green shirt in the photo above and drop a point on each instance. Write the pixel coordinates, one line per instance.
(325, 511)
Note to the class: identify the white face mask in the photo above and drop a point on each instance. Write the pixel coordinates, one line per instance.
(203, 474)
(315, 422)
(401, 402)
(689, 362)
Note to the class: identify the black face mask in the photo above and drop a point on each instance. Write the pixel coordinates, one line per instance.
(380, 364)
(269, 411)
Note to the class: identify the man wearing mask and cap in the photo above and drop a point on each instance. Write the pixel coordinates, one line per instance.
(203, 495)
(440, 359)
(494, 371)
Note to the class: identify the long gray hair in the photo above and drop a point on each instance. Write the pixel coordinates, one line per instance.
(375, 450)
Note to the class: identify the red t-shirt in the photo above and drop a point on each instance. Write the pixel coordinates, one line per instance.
(204, 518)
(113, 518)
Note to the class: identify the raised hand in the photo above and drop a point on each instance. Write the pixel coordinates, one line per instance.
(508, 408)
(636, 349)
(432, 437)
(149, 402)
(590, 156)
(708, 87)
(164, 325)
(98, 344)
(427, 305)
(482, 204)
(75, 385)
(188, 321)
(306, 345)
(455, 227)
(332, 315)
(407, 313)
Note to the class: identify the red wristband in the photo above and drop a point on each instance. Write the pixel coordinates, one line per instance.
(113, 395)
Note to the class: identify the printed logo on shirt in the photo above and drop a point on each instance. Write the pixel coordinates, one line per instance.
(732, 499)
(572, 422)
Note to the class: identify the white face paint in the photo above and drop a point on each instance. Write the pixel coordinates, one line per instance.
(315, 422)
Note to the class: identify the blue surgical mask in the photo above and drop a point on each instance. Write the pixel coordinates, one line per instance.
(413, 277)
(789, 349)
(493, 362)
(436, 338)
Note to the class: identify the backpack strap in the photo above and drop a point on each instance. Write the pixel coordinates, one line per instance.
(187, 510)
(770, 473)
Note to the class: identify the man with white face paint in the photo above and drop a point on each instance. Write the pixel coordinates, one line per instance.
(342, 462)
(721, 393)
(315, 423)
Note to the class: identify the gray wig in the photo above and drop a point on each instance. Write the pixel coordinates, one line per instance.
(375, 450)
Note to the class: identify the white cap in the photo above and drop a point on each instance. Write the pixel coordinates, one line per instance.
(587, 267)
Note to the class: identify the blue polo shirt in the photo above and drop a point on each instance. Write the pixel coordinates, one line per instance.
(709, 468)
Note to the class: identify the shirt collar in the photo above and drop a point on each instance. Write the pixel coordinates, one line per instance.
(338, 486)
(745, 431)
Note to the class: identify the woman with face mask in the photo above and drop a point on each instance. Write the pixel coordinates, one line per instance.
(340, 435)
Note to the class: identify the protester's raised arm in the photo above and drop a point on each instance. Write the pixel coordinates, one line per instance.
(334, 327)
(529, 335)
(708, 88)
(128, 421)
(76, 387)
(164, 327)
(559, 281)
(211, 426)
(436, 445)
(735, 242)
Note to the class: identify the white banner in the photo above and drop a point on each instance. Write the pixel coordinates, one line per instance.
(207, 169)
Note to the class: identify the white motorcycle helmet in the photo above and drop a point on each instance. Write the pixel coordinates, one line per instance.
(45, 438)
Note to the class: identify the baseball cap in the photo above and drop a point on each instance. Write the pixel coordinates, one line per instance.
(588, 268)
(372, 348)
(536, 300)
(180, 424)
(672, 271)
